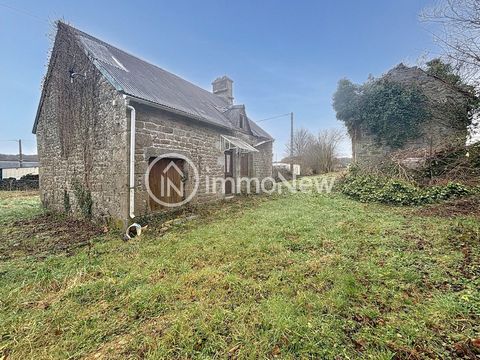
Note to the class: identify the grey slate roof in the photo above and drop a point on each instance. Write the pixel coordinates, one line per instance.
(233, 113)
(142, 80)
(258, 131)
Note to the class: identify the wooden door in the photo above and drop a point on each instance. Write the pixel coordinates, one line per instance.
(244, 171)
(229, 184)
(166, 182)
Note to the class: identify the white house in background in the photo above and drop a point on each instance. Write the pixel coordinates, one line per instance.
(8, 171)
(286, 166)
(474, 129)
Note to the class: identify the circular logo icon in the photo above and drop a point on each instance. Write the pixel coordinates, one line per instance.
(171, 177)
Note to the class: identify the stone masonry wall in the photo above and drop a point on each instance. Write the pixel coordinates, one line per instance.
(366, 149)
(160, 132)
(262, 161)
(82, 136)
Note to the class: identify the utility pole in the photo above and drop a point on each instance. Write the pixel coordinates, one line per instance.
(20, 155)
(291, 134)
(291, 142)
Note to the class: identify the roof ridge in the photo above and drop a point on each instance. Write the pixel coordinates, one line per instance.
(91, 37)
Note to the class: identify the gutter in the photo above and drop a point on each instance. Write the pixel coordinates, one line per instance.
(131, 202)
(263, 142)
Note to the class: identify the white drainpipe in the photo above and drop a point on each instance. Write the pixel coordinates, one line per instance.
(132, 161)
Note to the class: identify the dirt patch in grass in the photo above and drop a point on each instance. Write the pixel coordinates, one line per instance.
(469, 349)
(466, 239)
(461, 207)
(47, 234)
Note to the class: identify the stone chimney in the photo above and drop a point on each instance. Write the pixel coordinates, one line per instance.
(222, 86)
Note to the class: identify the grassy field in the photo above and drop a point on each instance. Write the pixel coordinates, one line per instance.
(294, 276)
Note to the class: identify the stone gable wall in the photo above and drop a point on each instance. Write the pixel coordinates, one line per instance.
(88, 144)
(262, 161)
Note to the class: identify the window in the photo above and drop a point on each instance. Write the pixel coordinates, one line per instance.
(228, 162)
(242, 121)
(225, 144)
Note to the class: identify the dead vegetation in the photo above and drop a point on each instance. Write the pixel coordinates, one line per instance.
(48, 234)
(435, 166)
(459, 207)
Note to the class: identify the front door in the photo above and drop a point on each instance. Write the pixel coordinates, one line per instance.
(229, 182)
(166, 182)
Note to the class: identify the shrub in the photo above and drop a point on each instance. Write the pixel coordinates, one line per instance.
(369, 188)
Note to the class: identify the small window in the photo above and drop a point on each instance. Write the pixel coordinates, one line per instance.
(242, 121)
(228, 160)
(225, 144)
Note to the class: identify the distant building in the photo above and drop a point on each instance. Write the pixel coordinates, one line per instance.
(11, 169)
(474, 130)
(287, 166)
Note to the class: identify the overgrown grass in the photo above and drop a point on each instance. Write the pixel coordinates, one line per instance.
(18, 205)
(313, 276)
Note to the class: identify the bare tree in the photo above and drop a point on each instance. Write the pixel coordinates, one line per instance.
(474, 130)
(302, 138)
(302, 142)
(457, 29)
(323, 152)
(316, 154)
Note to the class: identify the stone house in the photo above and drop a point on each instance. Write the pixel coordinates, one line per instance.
(105, 117)
(437, 131)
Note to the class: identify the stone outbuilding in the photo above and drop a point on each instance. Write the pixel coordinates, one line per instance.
(435, 132)
(119, 137)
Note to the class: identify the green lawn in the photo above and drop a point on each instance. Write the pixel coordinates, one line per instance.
(294, 276)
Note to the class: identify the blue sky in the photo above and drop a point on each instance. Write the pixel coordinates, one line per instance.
(282, 55)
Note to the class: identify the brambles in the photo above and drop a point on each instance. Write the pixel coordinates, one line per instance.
(369, 188)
